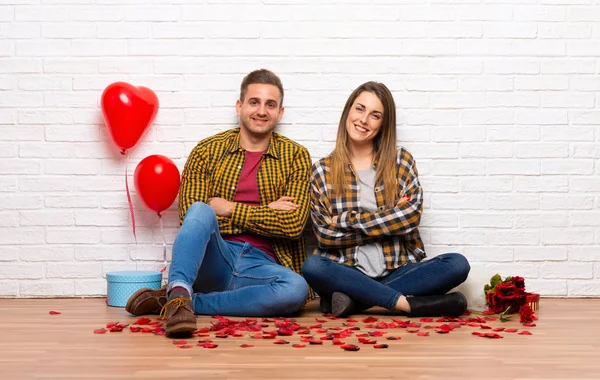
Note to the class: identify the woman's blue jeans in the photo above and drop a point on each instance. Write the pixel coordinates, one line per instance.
(429, 277)
(230, 278)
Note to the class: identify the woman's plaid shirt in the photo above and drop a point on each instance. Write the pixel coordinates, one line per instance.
(213, 170)
(394, 228)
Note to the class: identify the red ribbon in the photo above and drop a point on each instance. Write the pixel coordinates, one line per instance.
(130, 205)
(162, 232)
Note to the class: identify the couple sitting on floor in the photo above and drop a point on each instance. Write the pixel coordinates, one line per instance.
(244, 203)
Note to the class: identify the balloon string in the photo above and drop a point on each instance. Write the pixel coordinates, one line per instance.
(129, 199)
(162, 232)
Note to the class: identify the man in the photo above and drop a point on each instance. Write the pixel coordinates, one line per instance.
(243, 205)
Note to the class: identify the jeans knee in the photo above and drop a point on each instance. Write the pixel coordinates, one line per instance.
(292, 295)
(298, 290)
(200, 212)
(461, 266)
(313, 267)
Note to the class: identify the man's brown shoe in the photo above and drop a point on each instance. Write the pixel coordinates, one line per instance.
(147, 301)
(180, 316)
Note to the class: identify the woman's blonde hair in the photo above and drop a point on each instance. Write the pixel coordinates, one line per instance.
(384, 144)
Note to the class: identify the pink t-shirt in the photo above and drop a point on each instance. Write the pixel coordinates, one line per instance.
(247, 193)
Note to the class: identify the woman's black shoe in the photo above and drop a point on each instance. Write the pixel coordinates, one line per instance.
(325, 305)
(447, 305)
(342, 305)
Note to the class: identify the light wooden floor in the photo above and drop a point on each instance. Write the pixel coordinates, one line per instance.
(36, 345)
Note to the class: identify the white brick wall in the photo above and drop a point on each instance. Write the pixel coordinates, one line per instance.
(499, 102)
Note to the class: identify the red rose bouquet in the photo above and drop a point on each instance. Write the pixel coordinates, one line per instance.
(508, 296)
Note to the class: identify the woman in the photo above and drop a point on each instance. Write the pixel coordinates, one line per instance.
(366, 204)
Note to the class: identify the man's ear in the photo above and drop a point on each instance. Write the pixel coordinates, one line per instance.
(281, 110)
(238, 107)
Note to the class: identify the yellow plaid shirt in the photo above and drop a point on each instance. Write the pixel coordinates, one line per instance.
(213, 170)
(395, 228)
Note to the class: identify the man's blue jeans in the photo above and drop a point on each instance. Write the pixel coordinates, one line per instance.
(230, 278)
(429, 277)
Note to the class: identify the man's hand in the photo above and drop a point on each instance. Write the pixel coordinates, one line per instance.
(334, 219)
(284, 203)
(221, 206)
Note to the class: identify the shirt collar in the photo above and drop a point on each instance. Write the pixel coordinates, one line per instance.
(234, 143)
(374, 167)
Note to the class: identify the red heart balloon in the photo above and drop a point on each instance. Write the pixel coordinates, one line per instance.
(128, 112)
(156, 180)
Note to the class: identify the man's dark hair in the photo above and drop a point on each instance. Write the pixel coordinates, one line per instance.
(262, 76)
